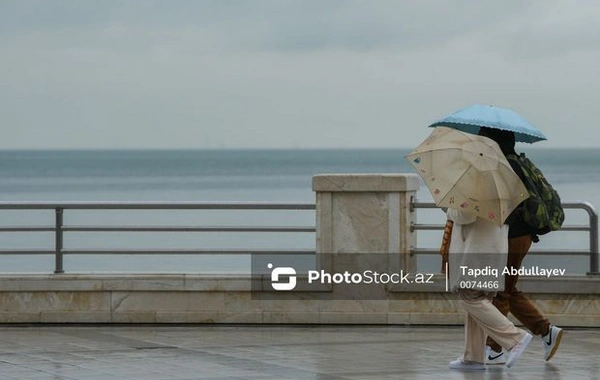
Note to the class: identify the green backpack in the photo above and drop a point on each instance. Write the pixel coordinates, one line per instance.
(542, 211)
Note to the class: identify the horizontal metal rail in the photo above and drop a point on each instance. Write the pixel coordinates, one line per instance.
(112, 205)
(28, 229)
(591, 229)
(164, 228)
(571, 252)
(127, 251)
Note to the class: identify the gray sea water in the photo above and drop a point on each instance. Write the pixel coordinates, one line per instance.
(226, 175)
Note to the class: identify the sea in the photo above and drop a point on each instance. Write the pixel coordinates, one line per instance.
(228, 175)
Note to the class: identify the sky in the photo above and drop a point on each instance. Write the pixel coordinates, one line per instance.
(282, 74)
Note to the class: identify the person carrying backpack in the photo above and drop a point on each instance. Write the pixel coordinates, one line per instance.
(521, 234)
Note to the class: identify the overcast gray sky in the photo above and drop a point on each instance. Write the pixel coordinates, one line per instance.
(280, 74)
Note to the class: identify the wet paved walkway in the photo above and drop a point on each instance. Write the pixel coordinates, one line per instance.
(269, 353)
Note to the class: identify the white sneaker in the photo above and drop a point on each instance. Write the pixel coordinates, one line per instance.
(493, 357)
(517, 350)
(552, 341)
(462, 365)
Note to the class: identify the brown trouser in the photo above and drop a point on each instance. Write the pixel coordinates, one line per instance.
(514, 301)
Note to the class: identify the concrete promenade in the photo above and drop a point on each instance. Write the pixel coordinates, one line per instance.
(226, 352)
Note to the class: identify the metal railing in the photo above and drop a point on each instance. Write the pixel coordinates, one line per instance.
(591, 228)
(59, 228)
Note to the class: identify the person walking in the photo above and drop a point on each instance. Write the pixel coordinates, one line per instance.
(470, 177)
(510, 299)
(477, 243)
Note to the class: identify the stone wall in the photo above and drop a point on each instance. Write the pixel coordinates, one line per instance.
(162, 298)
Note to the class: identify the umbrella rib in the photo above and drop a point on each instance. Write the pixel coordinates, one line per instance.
(457, 181)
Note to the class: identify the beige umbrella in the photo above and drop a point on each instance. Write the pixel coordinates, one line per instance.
(469, 173)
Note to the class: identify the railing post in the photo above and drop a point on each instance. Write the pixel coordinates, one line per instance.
(58, 233)
(594, 270)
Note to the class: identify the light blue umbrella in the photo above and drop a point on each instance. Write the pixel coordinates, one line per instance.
(472, 118)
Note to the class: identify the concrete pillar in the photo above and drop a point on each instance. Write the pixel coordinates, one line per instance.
(366, 213)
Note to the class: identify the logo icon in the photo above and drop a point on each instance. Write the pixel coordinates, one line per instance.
(282, 272)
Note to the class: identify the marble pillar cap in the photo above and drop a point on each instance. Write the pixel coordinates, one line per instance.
(384, 182)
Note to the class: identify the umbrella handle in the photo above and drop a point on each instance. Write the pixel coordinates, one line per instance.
(445, 246)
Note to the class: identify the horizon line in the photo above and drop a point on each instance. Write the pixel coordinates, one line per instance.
(528, 146)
